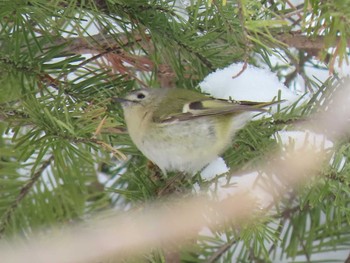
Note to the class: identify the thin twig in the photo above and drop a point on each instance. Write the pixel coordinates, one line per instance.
(247, 41)
(221, 251)
(118, 154)
(296, 11)
(298, 40)
(22, 194)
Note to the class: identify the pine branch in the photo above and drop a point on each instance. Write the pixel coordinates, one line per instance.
(27, 187)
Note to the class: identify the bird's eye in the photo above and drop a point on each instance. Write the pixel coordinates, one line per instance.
(141, 96)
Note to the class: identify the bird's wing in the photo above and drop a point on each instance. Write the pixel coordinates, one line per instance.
(210, 107)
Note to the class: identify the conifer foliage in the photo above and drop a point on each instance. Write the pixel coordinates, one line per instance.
(64, 145)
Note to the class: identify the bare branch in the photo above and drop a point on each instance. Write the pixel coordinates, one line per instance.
(300, 41)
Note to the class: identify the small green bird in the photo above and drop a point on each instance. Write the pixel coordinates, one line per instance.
(183, 130)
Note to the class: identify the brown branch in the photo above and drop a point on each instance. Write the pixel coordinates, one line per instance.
(112, 48)
(299, 69)
(101, 42)
(215, 257)
(172, 255)
(246, 40)
(22, 194)
(300, 41)
(295, 11)
(347, 259)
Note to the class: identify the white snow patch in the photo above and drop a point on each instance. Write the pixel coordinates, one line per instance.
(302, 139)
(216, 167)
(253, 84)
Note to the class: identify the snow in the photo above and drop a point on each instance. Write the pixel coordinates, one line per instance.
(253, 84)
(302, 139)
(216, 167)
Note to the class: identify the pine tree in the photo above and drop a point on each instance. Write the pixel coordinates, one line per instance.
(62, 61)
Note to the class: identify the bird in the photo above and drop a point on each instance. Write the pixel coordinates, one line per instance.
(183, 130)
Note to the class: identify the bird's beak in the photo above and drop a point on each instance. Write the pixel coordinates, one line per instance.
(119, 100)
(123, 101)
